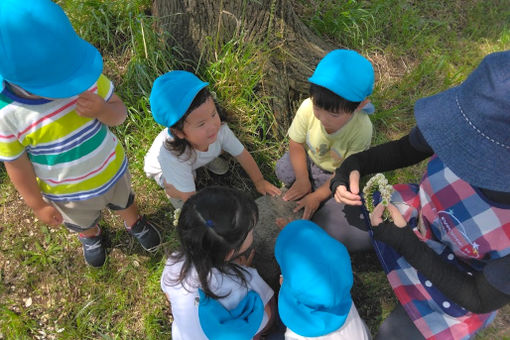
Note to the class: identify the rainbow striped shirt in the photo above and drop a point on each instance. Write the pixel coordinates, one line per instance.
(74, 158)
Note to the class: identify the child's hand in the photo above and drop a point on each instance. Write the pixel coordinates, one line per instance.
(376, 215)
(310, 203)
(246, 261)
(299, 189)
(90, 105)
(264, 187)
(48, 214)
(281, 222)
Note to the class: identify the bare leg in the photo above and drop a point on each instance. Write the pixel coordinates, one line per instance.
(129, 215)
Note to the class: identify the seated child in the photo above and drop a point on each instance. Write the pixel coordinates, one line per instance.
(315, 300)
(213, 291)
(55, 109)
(194, 137)
(328, 127)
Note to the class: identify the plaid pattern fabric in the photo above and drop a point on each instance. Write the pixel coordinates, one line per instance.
(463, 229)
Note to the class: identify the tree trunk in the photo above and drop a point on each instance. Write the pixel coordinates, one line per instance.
(295, 49)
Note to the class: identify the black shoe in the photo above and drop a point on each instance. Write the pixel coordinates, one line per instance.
(93, 250)
(146, 233)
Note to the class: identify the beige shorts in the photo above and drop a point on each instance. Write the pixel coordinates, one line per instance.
(82, 215)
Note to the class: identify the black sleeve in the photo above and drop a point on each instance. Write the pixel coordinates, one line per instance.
(389, 156)
(477, 293)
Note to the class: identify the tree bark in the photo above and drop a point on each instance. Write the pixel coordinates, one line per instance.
(194, 24)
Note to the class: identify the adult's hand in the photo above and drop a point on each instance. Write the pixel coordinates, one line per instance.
(376, 216)
(352, 197)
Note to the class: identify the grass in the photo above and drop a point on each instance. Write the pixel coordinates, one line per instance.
(418, 48)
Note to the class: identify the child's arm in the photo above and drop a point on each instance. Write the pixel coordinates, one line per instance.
(112, 112)
(302, 185)
(21, 173)
(311, 202)
(173, 192)
(253, 171)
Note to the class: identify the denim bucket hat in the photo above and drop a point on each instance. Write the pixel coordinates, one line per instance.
(242, 322)
(468, 126)
(314, 298)
(41, 52)
(172, 94)
(346, 73)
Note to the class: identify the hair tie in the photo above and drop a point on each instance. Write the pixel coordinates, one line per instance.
(208, 223)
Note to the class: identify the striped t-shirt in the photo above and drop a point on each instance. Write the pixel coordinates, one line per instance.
(74, 158)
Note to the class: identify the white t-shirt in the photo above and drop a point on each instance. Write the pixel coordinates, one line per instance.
(353, 328)
(184, 299)
(161, 164)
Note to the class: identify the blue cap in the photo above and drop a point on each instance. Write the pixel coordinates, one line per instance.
(172, 94)
(41, 52)
(346, 73)
(242, 322)
(314, 298)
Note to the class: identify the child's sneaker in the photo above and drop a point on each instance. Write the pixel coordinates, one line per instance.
(146, 233)
(93, 250)
(217, 166)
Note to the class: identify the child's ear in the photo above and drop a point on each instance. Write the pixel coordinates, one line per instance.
(362, 104)
(177, 133)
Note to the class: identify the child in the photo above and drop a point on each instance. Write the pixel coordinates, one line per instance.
(315, 300)
(195, 137)
(328, 127)
(449, 260)
(56, 107)
(213, 292)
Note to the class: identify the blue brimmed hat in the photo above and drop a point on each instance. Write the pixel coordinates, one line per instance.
(314, 298)
(172, 94)
(346, 73)
(242, 322)
(468, 126)
(41, 52)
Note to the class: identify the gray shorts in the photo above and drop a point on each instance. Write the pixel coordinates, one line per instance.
(82, 215)
(285, 172)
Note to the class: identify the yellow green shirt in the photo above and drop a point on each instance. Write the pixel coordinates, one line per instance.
(329, 150)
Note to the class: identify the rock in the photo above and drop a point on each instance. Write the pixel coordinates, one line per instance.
(265, 233)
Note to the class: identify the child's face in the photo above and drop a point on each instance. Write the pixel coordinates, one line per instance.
(237, 255)
(201, 126)
(332, 121)
(248, 241)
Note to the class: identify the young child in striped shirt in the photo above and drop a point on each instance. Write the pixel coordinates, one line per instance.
(55, 110)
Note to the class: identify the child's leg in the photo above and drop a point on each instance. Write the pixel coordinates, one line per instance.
(284, 170)
(129, 215)
(318, 176)
(142, 229)
(121, 201)
(217, 166)
(81, 217)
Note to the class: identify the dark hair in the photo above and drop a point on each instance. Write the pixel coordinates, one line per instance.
(213, 222)
(330, 101)
(179, 146)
